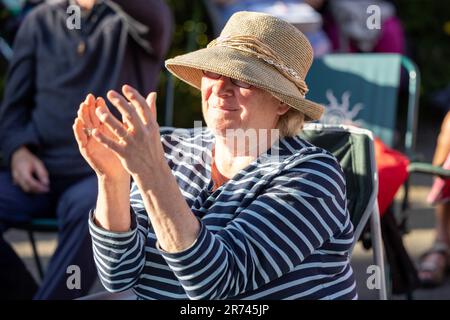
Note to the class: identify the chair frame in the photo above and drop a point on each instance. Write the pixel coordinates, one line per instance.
(37, 225)
(371, 211)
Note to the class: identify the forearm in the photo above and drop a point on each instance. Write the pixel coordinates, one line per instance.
(113, 204)
(119, 256)
(175, 225)
(156, 15)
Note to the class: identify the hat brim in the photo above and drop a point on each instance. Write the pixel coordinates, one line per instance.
(245, 67)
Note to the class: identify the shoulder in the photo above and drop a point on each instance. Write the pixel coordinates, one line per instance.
(47, 8)
(44, 13)
(311, 169)
(297, 152)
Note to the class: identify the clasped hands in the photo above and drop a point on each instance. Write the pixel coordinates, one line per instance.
(114, 148)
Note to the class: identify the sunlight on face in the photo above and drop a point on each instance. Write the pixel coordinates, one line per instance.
(228, 106)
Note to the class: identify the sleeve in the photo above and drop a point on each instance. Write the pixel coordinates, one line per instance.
(120, 256)
(298, 212)
(16, 128)
(157, 16)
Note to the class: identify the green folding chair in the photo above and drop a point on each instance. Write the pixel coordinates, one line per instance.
(37, 225)
(363, 89)
(354, 149)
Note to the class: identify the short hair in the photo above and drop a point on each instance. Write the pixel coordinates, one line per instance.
(291, 123)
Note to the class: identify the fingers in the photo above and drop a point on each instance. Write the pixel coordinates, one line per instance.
(114, 125)
(84, 116)
(129, 115)
(90, 99)
(107, 142)
(41, 173)
(33, 185)
(92, 107)
(86, 112)
(139, 103)
(27, 182)
(151, 102)
(80, 134)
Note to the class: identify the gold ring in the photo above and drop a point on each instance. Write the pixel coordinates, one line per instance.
(88, 131)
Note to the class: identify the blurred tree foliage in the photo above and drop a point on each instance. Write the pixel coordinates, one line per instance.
(427, 28)
(192, 31)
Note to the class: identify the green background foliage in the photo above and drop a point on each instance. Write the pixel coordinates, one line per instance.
(192, 31)
(427, 28)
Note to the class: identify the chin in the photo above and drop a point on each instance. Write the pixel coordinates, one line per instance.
(221, 128)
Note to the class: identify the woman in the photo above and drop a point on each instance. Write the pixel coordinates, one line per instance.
(209, 219)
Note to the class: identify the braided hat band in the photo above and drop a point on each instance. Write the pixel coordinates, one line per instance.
(252, 45)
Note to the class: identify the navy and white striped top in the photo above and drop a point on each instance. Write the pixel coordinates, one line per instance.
(279, 229)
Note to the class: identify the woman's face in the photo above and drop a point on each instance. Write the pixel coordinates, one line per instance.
(226, 105)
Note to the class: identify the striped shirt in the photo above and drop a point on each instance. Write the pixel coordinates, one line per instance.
(279, 229)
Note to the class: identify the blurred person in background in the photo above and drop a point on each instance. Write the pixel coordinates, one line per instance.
(300, 13)
(53, 64)
(346, 23)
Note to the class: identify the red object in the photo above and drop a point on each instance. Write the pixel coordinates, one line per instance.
(392, 173)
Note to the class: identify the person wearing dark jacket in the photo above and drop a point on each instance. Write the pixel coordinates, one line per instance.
(54, 63)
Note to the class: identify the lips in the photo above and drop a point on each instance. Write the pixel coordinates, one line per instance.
(224, 108)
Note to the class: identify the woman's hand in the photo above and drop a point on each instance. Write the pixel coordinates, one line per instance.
(136, 141)
(103, 160)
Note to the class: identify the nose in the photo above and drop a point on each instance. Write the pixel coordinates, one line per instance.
(223, 87)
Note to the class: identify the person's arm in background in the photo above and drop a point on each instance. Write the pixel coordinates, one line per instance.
(316, 4)
(18, 137)
(157, 16)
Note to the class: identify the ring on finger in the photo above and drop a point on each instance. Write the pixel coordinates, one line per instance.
(88, 131)
(126, 134)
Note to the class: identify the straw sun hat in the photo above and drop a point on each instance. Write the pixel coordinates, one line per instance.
(259, 49)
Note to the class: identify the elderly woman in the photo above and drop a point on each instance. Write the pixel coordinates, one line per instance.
(210, 219)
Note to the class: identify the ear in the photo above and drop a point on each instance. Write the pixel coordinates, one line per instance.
(282, 108)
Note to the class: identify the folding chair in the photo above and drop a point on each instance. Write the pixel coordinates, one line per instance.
(363, 89)
(354, 149)
(37, 225)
